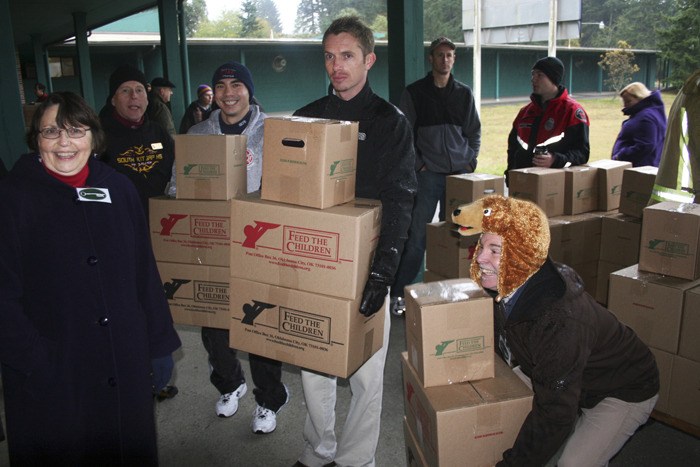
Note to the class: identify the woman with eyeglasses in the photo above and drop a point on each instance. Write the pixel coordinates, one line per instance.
(85, 330)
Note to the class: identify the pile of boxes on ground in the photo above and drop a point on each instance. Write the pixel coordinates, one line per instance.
(463, 405)
(643, 262)
(284, 269)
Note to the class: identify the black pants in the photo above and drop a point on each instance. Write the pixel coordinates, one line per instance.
(227, 373)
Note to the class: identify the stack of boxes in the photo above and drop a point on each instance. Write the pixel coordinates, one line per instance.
(660, 299)
(462, 403)
(191, 235)
(300, 253)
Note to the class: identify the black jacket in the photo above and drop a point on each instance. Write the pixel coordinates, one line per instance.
(385, 167)
(446, 125)
(576, 353)
(145, 154)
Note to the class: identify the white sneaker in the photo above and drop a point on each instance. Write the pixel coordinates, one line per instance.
(265, 420)
(227, 405)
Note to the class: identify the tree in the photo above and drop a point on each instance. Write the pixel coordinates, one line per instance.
(314, 16)
(637, 22)
(228, 25)
(249, 19)
(680, 43)
(442, 18)
(195, 12)
(620, 66)
(310, 15)
(267, 10)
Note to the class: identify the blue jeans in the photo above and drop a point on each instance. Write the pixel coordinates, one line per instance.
(431, 191)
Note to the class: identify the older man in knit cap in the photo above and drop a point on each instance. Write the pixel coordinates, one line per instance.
(136, 147)
(238, 115)
(552, 130)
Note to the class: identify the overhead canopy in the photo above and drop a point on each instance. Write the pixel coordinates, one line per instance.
(51, 21)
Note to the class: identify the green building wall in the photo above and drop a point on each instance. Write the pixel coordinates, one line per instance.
(505, 69)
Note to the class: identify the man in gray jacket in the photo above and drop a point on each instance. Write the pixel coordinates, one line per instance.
(237, 115)
(447, 138)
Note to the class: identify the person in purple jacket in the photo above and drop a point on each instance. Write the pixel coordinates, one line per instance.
(641, 138)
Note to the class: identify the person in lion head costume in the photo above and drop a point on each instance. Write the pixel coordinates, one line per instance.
(594, 381)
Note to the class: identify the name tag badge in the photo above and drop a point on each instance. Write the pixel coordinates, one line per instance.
(156, 146)
(93, 195)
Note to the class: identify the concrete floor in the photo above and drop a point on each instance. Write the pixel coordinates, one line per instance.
(190, 434)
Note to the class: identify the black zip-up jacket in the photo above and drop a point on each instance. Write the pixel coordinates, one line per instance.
(446, 125)
(576, 352)
(385, 167)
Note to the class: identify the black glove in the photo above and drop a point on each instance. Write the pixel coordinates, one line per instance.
(374, 296)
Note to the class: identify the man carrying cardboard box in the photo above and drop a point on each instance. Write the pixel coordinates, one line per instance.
(576, 355)
(233, 93)
(385, 171)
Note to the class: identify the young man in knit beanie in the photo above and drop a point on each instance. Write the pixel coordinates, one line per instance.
(238, 115)
(552, 130)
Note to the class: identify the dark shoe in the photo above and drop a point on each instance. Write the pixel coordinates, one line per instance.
(397, 305)
(168, 392)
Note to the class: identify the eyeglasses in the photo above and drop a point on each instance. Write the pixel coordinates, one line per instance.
(72, 132)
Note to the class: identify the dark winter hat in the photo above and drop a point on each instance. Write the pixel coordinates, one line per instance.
(552, 67)
(161, 83)
(237, 71)
(123, 74)
(438, 42)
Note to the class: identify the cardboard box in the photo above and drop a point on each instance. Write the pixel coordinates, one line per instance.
(609, 182)
(544, 187)
(198, 295)
(449, 331)
(211, 166)
(684, 400)
(414, 455)
(605, 268)
(650, 304)
(580, 189)
(313, 331)
(309, 161)
(620, 239)
(664, 361)
(575, 239)
(671, 240)
(448, 253)
(320, 251)
(689, 346)
(467, 188)
(469, 423)
(637, 185)
(191, 231)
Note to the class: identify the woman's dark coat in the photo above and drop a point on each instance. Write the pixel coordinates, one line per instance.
(82, 313)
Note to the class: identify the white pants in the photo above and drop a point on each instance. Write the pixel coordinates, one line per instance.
(601, 432)
(358, 441)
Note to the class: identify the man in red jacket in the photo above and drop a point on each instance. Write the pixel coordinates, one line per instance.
(552, 130)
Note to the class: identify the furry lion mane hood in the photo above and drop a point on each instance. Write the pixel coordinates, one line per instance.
(521, 224)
